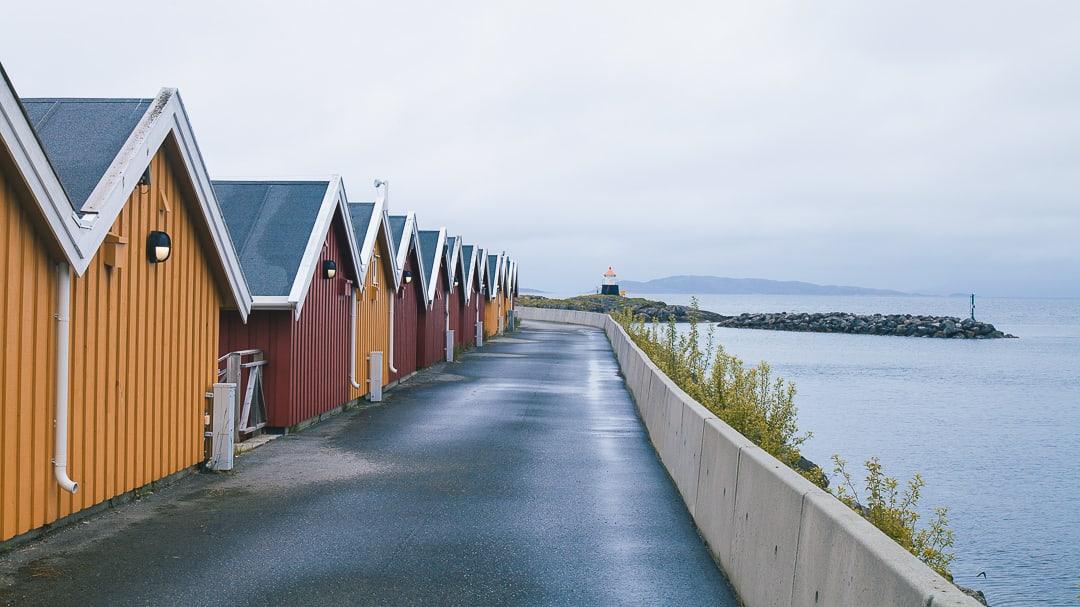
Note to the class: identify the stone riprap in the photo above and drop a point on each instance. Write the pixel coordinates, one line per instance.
(606, 304)
(904, 325)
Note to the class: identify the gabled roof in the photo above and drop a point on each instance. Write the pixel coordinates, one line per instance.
(279, 228)
(369, 220)
(432, 243)
(454, 263)
(99, 149)
(494, 267)
(397, 232)
(469, 267)
(449, 251)
(468, 262)
(482, 268)
(405, 233)
(83, 136)
(21, 143)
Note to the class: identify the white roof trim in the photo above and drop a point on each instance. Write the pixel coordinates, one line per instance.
(433, 281)
(481, 266)
(394, 270)
(494, 289)
(410, 234)
(334, 201)
(453, 262)
(378, 224)
(37, 172)
(468, 272)
(272, 302)
(166, 115)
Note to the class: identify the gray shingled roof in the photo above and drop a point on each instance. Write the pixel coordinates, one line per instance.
(270, 223)
(360, 216)
(493, 264)
(466, 256)
(397, 229)
(429, 239)
(83, 136)
(450, 240)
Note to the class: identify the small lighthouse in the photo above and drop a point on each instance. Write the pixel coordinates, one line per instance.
(609, 286)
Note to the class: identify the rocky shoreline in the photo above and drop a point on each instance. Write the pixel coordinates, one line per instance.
(902, 325)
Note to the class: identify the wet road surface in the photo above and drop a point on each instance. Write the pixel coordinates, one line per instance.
(518, 476)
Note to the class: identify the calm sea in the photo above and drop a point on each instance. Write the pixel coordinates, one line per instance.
(993, 426)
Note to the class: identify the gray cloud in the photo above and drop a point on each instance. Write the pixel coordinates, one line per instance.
(924, 146)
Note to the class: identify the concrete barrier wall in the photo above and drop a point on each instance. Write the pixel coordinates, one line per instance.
(781, 540)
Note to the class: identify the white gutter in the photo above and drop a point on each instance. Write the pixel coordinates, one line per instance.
(63, 343)
(352, 342)
(393, 304)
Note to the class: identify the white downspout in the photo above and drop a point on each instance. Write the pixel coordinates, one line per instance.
(393, 304)
(352, 344)
(63, 343)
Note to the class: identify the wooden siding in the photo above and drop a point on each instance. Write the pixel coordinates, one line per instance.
(458, 311)
(492, 309)
(373, 303)
(320, 346)
(271, 332)
(431, 327)
(143, 354)
(407, 306)
(480, 302)
(308, 369)
(469, 315)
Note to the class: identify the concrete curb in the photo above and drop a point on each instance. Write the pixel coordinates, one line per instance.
(781, 540)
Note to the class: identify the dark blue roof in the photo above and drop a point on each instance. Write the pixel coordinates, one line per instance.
(466, 255)
(429, 240)
(270, 223)
(83, 136)
(493, 264)
(397, 229)
(360, 216)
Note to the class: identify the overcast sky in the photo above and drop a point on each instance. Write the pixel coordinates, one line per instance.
(925, 146)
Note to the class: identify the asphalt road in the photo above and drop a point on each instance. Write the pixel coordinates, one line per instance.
(518, 476)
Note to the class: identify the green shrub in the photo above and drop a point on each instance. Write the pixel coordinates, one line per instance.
(750, 400)
(894, 513)
(762, 408)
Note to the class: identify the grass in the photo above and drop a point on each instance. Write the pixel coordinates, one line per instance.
(761, 406)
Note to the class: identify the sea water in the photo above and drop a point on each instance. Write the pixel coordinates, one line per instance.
(993, 426)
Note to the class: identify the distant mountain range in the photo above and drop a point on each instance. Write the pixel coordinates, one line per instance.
(718, 285)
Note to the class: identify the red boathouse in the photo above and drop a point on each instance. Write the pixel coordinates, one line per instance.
(435, 318)
(298, 253)
(409, 302)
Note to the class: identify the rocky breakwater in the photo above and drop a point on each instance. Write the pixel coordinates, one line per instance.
(904, 325)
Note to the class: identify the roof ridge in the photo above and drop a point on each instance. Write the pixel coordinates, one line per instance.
(87, 99)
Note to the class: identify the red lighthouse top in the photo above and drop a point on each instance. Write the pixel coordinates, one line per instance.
(610, 271)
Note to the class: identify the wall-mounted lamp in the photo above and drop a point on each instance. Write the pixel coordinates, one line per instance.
(407, 276)
(455, 283)
(158, 246)
(329, 268)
